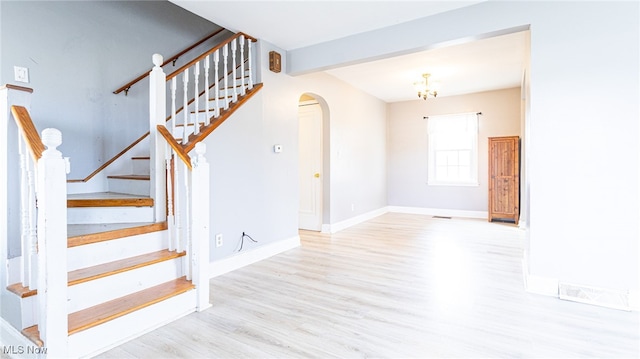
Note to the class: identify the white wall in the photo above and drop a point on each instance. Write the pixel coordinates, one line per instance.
(408, 147)
(584, 131)
(357, 146)
(256, 190)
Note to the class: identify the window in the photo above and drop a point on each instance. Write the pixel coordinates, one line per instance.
(453, 149)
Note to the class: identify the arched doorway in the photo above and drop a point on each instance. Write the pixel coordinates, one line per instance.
(313, 169)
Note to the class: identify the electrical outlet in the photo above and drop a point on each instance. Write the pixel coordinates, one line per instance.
(219, 241)
(21, 74)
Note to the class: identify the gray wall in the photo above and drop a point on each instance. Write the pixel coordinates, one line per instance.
(78, 53)
(408, 147)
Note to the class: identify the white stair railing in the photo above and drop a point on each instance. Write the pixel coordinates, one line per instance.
(43, 180)
(181, 181)
(201, 99)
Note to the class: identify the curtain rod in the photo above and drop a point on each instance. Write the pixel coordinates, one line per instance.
(427, 117)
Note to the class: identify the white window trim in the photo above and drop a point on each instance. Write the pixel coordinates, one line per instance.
(431, 180)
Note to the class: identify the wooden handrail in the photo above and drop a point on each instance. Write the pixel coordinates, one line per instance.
(175, 145)
(114, 158)
(28, 130)
(217, 47)
(190, 145)
(173, 59)
(109, 162)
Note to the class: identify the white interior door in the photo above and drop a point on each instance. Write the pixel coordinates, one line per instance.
(310, 164)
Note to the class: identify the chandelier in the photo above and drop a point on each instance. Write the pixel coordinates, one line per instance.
(424, 89)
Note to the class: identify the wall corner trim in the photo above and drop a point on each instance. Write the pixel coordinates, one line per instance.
(243, 259)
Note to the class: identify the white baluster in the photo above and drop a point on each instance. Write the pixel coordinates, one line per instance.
(200, 224)
(187, 210)
(170, 218)
(234, 47)
(173, 106)
(250, 45)
(225, 57)
(196, 93)
(243, 90)
(216, 61)
(177, 202)
(29, 255)
(32, 222)
(206, 90)
(25, 257)
(185, 105)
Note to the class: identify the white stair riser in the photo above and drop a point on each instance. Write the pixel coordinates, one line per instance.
(89, 215)
(23, 318)
(94, 292)
(128, 186)
(113, 250)
(141, 166)
(96, 340)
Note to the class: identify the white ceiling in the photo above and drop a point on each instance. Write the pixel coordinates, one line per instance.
(482, 65)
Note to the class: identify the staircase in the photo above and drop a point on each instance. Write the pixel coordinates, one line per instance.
(122, 278)
(136, 255)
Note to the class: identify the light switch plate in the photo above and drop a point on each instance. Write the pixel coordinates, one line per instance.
(277, 148)
(21, 74)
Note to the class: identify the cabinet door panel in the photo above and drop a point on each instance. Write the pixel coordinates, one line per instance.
(504, 178)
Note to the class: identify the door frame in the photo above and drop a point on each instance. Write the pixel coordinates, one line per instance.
(326, 151)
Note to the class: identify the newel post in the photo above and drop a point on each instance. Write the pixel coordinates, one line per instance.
(157, 116)
(52, 245)
(200, 226)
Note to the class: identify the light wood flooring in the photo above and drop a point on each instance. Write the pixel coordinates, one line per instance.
(398, 286)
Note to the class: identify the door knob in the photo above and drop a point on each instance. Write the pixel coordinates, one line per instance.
(317, 175)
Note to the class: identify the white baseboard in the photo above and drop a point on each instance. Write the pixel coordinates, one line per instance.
(257, 254)
(603, 297)
(440, 212)
(336, 227)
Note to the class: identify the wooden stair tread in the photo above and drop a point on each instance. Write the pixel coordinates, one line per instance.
(22, 292)
(131, 177)
(102, 313)
(103, 270)
(32, 333)
(82, 239)
(122, 200)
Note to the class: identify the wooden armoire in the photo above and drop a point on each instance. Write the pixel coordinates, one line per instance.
(504, 178)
